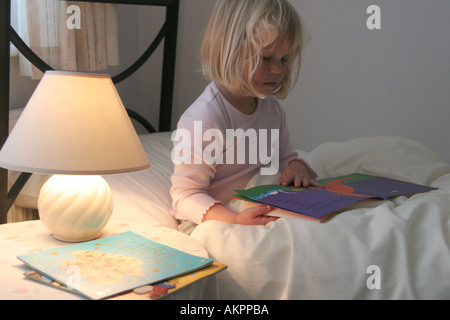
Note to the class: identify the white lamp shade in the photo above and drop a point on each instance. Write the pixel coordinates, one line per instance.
(74, 123)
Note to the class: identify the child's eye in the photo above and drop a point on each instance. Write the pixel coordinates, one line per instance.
(283, 60)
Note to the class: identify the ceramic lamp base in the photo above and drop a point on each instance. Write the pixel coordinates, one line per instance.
(75, 208)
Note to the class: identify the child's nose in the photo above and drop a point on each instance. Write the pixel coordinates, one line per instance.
(276, 67)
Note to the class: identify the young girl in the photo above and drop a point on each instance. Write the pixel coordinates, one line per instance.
(248, 53)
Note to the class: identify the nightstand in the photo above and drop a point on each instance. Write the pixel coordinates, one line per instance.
(25, 237)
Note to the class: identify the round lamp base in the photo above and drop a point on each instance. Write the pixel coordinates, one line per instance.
(75, 208)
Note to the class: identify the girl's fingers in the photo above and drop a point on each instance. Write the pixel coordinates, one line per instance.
(314, 183)
(260, 210)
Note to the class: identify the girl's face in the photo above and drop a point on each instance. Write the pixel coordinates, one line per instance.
(272, 68)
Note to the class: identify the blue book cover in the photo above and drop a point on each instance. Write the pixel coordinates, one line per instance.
(108, 266)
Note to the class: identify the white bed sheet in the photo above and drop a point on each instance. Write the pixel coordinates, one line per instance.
(407, 239)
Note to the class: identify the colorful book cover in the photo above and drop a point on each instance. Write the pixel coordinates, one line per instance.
(336, 193)
(105, 267)
(147, 292)
(163, 289)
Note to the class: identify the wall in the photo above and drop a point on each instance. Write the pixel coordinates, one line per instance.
(355, 82)
(358, 82)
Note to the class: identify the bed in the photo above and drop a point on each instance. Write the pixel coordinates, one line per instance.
(405, 242)
(375, 249)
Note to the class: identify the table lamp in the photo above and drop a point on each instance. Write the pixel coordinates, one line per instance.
(76, 128)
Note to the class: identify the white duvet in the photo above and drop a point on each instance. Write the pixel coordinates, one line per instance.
(398, 249)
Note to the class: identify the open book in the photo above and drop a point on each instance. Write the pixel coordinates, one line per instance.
(336, 193)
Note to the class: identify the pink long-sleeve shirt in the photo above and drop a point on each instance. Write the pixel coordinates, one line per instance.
(203, 175)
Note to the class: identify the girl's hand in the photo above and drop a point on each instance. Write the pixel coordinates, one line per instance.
(298, 173)
(255, 216)
(250, 216)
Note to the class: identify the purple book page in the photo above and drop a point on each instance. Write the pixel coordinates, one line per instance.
(385, 188)
(314, 202)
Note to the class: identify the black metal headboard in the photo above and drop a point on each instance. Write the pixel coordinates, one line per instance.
(168, 32)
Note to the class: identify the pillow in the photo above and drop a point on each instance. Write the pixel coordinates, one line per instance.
(28, 196)
(145, 196)
(394, 157)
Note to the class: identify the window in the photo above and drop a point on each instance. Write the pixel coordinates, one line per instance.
(72, 36)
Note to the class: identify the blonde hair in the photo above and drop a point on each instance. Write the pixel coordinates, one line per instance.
(233, 42)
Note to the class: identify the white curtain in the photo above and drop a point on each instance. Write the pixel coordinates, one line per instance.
(69, 35)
